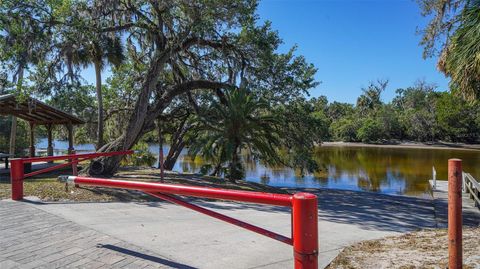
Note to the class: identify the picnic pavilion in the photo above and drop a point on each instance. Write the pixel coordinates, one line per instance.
(38, 113)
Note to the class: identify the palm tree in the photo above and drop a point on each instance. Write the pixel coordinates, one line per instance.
(242, 122)
(460, 59)
(106, 50)
(102, 50)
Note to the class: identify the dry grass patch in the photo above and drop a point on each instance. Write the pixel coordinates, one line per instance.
(422, 249)
(49, 189)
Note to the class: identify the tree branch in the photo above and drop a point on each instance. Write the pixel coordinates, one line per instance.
(157, 108)
(192, 85)
(189, 42)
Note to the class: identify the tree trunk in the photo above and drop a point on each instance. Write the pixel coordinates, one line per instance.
(137, 125)
(216, 170)
(160, 149)
(173, 155)
(176, 145)
(234, 164)
(13, 130)
(98, 76)
(13, 136)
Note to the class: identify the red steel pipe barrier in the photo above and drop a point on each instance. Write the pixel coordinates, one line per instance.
(304, 210)
(17, 174)
(243, 196)
(455, 213)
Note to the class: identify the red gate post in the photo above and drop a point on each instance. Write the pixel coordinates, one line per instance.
(16, 178)
(305, 230)
(75, 169)
(455, 213)
(74, 164)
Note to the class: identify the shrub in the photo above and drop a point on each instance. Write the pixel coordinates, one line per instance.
(370, 131)
(344, 129)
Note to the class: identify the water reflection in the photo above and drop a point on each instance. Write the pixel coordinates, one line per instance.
(384, 170)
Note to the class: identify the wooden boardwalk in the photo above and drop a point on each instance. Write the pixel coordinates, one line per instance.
(471, 214)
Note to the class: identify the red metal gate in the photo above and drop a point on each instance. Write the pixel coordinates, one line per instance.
(304, 207)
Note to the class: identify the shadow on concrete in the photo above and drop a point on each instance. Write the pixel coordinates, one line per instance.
(146, 257)
(158, 203)
(373, 211)
(470, 216)
(36, 201)
(370, 211)
(224, 205)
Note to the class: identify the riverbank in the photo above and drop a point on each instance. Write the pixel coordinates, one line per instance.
(407, 145)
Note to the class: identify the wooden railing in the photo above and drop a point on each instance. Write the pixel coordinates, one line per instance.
(472, 187)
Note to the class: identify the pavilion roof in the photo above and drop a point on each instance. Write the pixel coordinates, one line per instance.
(35, 111)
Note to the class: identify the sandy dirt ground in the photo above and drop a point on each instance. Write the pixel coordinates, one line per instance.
(422, 249)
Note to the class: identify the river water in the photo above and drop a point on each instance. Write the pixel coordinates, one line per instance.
(383, 170)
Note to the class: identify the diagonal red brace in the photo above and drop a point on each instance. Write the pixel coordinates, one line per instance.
(52, 168)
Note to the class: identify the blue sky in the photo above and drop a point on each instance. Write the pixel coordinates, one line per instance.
(352, 43)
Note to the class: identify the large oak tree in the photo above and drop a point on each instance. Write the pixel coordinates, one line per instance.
(175, 49)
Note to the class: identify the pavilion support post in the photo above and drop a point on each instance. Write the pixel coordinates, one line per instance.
(50, 140)
(32, 139)
(70, 138)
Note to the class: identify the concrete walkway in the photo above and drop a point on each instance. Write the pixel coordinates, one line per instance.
(176, 237)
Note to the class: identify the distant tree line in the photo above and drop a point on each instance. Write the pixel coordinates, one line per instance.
(417, 113)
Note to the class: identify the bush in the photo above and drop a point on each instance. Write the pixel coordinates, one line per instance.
(371, 131)
(344, 129)
(456, 119)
